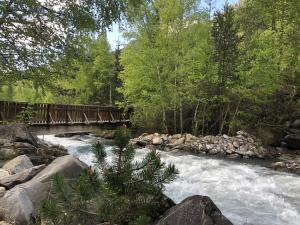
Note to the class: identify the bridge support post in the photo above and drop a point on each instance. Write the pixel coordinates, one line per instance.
(48, 114)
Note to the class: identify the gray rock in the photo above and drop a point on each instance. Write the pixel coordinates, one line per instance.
(18, 164)
(176, 136)
(225, 136)
(178, 141)
(3, 141)
(16, 206)
(150, 147)
(67, 165)
(17, 133)
(7, 153)
(236, 144)
(189, 137)
(3, 173)
(260, 152)
(214, 151)
(4, 223)
(242, 134)
(233, 156)
(23, 145)
(157, 140)
(278, 165)
(296, 124)
(12, 180)
(292, 141)
(18, 203)
(209, 146)
(195, 210)
(2, 191)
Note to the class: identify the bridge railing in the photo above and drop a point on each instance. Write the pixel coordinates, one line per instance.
(62, 114)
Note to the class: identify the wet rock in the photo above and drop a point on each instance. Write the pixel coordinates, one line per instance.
(194, 210)
(18, 164)
(12, 180)
(151, 147)
(278, 165)
(233, 156)
(106, 134)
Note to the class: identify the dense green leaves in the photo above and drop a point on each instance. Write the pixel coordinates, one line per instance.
(238, 69)
(36, 34)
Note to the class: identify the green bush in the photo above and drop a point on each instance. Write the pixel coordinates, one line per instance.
(123, 192)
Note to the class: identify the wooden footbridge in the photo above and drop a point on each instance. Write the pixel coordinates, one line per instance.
(63, 117)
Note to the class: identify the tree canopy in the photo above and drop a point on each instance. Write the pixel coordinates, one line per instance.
(35, 34)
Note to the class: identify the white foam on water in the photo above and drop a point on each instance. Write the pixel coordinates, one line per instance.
(246, 194)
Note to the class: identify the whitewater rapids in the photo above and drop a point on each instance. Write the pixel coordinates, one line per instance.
(246, 194)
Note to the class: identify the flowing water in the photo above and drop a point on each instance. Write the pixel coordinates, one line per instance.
(245, 193)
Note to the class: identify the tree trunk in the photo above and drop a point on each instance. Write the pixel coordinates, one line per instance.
(181, 119)
(164, 118)
(110, 95)
(195, 120)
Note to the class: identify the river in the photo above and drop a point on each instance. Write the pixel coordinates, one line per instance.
(247, 194)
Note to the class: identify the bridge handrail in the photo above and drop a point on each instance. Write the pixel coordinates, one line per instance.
(49, 113)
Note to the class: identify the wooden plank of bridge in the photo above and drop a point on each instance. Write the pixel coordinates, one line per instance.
(59, 113)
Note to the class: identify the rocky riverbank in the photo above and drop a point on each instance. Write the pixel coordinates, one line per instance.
(15, 140)
(27, 165)
(243, 145)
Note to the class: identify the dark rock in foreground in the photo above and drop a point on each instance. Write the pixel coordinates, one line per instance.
(195, 210)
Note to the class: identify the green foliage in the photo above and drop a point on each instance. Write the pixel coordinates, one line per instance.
(36, 34)
(26, 115)
(185, 70)
(122, 192)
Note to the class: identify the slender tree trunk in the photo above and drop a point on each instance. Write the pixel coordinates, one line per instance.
(203, 119)
(195, 120)
(175, 107)
(164, 118)
(223, 119)
(181, 119)
(110, 95)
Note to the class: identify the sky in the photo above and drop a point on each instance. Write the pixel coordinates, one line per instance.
(114, 36)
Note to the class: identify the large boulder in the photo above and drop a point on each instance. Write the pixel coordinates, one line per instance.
(18, 164)
(195, 210)
(18, 203)
(17, 133)
(296, 124)
(12, 180)
(3, 173)
(292, 141)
